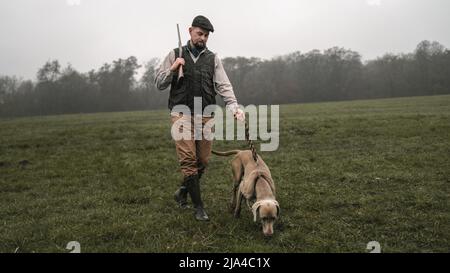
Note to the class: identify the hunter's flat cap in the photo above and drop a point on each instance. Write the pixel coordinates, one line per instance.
(202, 22)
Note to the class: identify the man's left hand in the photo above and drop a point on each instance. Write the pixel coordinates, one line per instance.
(239, 115)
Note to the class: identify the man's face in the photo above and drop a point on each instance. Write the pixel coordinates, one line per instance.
(199, 36)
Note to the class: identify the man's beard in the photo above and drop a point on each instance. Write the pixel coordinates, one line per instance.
(200, 46)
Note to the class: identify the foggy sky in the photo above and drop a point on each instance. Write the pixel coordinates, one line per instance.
(88, 33)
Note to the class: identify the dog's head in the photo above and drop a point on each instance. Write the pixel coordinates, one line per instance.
(268, 211)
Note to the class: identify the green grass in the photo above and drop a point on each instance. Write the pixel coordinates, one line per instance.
(346, 173)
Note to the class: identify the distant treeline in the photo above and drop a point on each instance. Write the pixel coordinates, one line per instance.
(333, 74)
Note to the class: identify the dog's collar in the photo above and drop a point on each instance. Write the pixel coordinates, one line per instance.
(257, 204)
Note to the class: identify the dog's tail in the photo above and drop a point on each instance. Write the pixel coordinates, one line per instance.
(227, 153)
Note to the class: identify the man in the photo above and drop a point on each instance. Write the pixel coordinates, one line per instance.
(204, 76)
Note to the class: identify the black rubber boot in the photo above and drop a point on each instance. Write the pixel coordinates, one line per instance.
(200, 170)
(200, 173)
(181, 195)
(194, 190)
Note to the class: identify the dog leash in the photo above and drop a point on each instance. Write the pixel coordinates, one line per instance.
(250, 142)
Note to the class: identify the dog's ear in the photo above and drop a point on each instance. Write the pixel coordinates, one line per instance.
(255, 210)
(256, 213)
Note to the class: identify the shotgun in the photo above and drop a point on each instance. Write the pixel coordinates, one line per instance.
(180, 51)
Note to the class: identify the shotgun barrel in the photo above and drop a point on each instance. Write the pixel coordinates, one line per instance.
(180, 54)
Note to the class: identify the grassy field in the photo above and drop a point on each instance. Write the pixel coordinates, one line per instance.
(346, 173)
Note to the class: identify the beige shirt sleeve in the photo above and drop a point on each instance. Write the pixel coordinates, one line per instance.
(163, 76)
(223, 86)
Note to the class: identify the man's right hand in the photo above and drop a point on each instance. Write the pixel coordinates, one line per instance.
(176, 64)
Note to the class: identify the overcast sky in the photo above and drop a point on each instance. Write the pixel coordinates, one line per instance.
(88, 33)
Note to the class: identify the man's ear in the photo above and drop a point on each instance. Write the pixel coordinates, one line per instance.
(190, 29)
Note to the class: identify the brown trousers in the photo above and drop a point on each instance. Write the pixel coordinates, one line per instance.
(193, 155)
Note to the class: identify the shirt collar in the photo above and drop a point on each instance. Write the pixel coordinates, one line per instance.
(194, 50)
